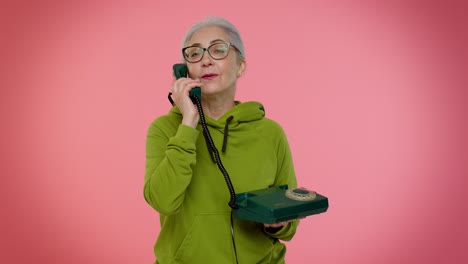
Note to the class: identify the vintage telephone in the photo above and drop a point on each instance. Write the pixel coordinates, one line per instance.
(270, 205)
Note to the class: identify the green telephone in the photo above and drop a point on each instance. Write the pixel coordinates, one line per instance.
(278, 204)
(270, 205)
(180, 70)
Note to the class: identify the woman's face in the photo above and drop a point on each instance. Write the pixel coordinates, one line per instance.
(218, 76)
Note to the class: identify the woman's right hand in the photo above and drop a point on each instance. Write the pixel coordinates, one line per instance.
(180, 96)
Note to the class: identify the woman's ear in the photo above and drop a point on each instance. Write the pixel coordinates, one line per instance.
(242, 66)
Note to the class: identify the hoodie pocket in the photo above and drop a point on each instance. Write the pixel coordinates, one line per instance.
(208, 239)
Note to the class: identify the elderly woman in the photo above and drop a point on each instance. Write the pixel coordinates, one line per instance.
(183, 183)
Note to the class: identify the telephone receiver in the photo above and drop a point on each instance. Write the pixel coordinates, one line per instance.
(270, 205)
(181, 70)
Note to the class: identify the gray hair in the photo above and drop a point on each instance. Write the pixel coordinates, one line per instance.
(213, 21)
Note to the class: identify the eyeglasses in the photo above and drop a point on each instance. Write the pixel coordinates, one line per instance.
(217, 51)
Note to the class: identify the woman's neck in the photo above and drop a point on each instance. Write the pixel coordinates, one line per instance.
(217, 108)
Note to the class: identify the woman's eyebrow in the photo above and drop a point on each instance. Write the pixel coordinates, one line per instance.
(216, 40)
(211, 42)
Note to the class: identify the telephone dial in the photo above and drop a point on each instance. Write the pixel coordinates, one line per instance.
(270, 205)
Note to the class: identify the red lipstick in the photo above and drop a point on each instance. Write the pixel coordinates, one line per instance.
(209, 76)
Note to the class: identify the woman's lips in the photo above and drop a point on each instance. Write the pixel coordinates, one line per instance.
(209, 76)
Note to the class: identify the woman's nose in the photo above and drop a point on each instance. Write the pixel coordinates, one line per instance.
(207, 60)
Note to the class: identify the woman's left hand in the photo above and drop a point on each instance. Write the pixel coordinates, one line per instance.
(277, 225)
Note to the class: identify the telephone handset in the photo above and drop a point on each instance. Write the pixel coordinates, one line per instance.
(270, 205)
(180, 70)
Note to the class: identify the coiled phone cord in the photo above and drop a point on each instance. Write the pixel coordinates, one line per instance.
(214, 153)
(215, 156)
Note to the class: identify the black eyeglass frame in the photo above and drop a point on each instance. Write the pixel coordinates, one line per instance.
(208, 50)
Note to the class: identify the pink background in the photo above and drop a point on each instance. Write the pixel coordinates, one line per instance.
(371, 95)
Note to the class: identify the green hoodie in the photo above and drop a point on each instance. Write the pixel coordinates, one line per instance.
(188, 190)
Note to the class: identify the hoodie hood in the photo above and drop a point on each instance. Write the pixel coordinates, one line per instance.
(242, 112)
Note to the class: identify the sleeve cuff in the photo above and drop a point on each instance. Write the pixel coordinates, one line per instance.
(189, 134)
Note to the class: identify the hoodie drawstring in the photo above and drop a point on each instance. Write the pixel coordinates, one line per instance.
(226, 129)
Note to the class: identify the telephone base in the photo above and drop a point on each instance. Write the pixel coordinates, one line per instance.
(275, 204)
